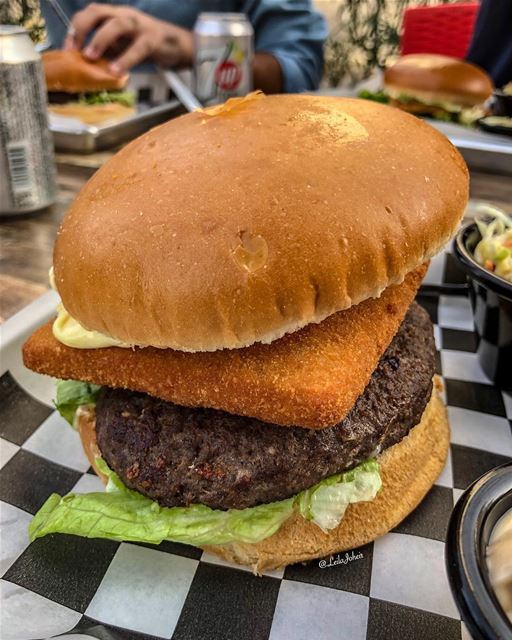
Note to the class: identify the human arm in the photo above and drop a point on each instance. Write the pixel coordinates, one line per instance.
(292, 33)
(129, 36)
(267, 73)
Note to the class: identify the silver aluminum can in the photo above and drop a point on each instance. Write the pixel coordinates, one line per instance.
(223, 56)
(27, 165)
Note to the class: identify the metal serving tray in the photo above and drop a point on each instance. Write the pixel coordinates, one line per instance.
(481, 150)
(72, 135)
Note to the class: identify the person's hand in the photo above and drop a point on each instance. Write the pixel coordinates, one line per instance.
(129, 36)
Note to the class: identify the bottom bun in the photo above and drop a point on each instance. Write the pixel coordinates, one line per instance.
(408, 471)
(93, 113)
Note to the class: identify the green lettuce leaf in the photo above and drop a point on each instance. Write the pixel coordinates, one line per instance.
(326, 502)
(126, 98)
(71, 394)
(375, 96)
(123, 514)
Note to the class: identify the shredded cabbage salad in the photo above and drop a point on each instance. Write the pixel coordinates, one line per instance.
(494, 251)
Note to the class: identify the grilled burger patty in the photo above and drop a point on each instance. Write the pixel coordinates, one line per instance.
(181, 456)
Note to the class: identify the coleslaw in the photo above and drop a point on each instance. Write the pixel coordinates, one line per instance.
(494, 251)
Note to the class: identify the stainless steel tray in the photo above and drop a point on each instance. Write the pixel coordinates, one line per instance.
(83, 138)
(481, 150)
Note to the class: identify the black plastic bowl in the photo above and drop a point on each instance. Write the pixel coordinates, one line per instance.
(502, 104)
(471, 524)
(491, 300)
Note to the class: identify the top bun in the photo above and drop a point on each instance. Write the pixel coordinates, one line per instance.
(430, 77)
(70, 72)
(239, 224)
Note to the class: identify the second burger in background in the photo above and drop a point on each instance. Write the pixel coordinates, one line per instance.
(85, 89)
(438, 86)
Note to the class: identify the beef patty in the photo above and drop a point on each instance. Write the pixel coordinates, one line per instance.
(180, 456)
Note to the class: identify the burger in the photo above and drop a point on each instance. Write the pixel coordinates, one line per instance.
(238, 344)
(85, 89)
(438, 86)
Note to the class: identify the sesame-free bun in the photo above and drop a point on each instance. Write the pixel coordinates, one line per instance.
(232, 226)
(70, 72)
(432, 78)
(408, 471)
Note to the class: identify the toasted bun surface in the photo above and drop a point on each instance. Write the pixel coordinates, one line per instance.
(432, 78)
(299, 380)
(408, 470)
(70, 72)
(218, 230)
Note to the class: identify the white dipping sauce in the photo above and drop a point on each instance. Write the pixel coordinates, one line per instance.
(499, 561)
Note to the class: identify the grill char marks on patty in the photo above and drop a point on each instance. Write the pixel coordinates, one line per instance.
(180, 456)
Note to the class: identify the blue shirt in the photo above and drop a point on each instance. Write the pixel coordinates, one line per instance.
(491, 46)
(291, 30)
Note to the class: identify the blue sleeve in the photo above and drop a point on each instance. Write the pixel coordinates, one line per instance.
(294, 33)
(491, 45)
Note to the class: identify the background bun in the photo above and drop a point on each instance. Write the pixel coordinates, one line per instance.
(70, 72)
(408, 470)
(430, 77)
(92, 113)
(228, 227)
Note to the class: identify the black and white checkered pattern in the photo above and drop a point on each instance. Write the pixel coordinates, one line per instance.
(393, 588)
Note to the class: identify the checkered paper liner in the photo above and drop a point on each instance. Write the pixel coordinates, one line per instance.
(72, 587)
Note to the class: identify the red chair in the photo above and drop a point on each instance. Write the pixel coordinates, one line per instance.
(444, 29)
